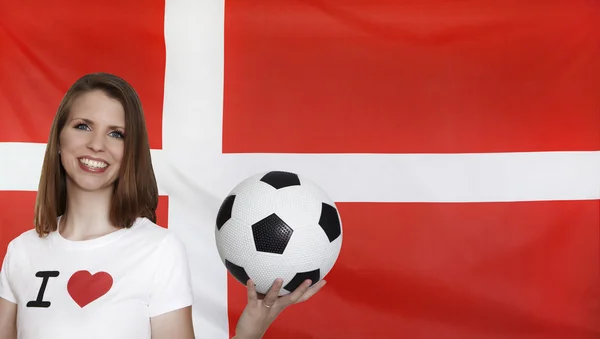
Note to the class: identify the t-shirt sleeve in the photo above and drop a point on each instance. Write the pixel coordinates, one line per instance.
(6, 291)
(171, 287)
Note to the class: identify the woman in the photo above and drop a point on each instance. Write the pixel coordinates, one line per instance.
(96, 265)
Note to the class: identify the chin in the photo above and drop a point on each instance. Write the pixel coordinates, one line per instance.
(91, 184)
(94, 188)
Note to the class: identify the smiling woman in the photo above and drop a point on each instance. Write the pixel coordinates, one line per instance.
(96, 255)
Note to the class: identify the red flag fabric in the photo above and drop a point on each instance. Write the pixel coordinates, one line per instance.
(383, 77)
(46, 46)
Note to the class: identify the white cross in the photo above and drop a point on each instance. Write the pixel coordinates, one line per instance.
(192, 170)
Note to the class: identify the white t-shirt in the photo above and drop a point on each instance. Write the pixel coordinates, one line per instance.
(107, 287)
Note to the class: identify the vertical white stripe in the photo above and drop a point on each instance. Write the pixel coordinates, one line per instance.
(192, 110)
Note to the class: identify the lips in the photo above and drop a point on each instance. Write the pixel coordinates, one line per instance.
(94, 165)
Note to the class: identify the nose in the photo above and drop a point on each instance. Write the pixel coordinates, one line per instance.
(96, 141)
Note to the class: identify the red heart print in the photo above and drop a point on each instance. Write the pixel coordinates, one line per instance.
(85, 287)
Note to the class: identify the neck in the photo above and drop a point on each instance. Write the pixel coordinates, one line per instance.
(87, 215)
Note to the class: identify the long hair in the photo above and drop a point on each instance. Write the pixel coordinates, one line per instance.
(135, 192)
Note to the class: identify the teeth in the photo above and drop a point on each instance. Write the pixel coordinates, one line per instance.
(93, 163)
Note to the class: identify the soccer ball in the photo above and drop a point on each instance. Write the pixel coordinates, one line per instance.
(278, 225)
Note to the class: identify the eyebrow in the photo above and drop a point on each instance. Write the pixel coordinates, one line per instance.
(90, 122)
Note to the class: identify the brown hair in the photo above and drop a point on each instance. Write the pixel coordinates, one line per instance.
(136, 192)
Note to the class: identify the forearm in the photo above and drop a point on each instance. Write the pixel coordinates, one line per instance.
(8, 333)
(8, 320)
(174, 324)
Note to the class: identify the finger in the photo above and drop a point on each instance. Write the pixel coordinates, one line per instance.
(251, 288)
(298, 292)
(273, 293)
(311, 291)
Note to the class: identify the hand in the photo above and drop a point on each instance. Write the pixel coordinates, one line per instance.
(262, 310)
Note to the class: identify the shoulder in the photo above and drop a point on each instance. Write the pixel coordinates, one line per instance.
(18, 249)
(169, 273)
(24, 240)
(156, 236)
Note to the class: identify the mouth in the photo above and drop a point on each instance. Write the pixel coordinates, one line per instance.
(92, 165)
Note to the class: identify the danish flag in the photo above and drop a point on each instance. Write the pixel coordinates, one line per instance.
(460, 141)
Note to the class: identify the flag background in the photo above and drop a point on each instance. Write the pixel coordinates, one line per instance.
(460, 141)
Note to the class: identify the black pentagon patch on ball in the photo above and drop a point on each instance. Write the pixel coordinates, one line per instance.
(330, 222)
(299, 278)
(281, 179)
(238, 272)
(224, 213)
(271, 234)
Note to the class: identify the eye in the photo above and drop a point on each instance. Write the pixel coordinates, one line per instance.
(117, 134)
(82, 126)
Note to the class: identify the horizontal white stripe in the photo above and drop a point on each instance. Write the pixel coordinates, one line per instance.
(484, 177)
(21, 165)
(363, 177)
(436, 177)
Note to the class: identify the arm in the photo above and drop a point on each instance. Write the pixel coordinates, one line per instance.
(8, 304)
(174, 324)
(8, 319)
(171, 296)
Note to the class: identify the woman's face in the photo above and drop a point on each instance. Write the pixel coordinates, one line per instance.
(92, 142)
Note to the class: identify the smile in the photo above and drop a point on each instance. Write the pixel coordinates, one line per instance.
(92, 165)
